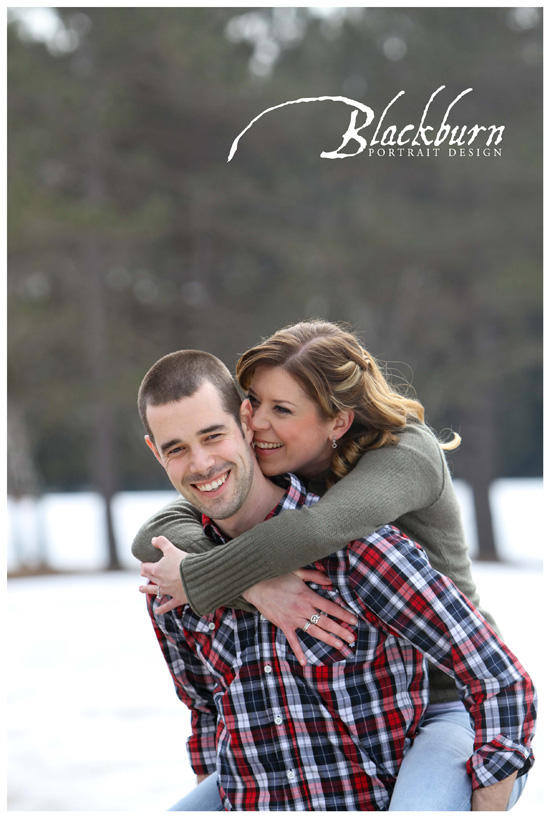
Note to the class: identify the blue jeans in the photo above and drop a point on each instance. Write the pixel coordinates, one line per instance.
(433, 774)
(203, 798)
(432, 777)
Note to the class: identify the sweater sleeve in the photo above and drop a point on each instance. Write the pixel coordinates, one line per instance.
(385, 484)
(181, 523)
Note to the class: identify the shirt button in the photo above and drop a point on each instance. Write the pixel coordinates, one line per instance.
(263, 618)
(211, 626)
(267, 669)
(278, 719)
(290, 775)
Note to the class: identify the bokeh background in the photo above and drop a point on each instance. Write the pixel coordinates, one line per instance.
(130, 236)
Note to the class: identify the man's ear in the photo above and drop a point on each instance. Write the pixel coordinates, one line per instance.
(342, 422)
(153, 448)
(246, 419)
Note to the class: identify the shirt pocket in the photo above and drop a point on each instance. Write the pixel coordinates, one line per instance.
(319, 653)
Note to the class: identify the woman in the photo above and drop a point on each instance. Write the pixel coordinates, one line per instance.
(320, 406)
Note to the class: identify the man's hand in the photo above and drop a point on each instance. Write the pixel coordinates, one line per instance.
(165, 574)
(289, 603)
(493, 798)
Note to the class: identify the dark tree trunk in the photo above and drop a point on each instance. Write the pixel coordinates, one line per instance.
(103, 451)
(104, 461)
(478, 470)
(480, 460)
(484, 517)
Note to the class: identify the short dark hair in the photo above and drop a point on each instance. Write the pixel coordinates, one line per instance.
(179, 375)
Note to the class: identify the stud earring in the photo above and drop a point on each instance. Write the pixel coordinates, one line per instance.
(334, 444)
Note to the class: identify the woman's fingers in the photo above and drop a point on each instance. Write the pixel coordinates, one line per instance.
(290, 604)
(166, 572)
(330, 631)
(148, 589)
(330, 637)
(326, 636)
(147, 569)
(311, 575)
(162, 543)
(178, 598)
(332, 609)
(169, 605)
(320, 602)
(295, 646)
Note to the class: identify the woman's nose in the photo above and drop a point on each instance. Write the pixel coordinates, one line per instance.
(259, 421)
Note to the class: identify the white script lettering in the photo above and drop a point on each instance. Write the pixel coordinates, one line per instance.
(390, 135)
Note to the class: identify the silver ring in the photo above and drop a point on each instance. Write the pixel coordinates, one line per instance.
(315, 618)
(306, 626)
(158, 591)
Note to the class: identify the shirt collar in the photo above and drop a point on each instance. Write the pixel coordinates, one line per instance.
(294, 497)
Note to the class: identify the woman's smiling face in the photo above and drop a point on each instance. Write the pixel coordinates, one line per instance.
(289, 433)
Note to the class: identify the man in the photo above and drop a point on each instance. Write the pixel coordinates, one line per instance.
(330, 735)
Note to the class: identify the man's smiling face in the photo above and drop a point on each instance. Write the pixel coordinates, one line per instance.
(207, 457)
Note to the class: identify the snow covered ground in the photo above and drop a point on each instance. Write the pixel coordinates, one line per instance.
(65, 531)
(92, 717)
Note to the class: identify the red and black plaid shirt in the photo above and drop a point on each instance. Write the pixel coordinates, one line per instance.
(332, 735)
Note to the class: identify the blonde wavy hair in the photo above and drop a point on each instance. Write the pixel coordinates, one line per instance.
(337, 373)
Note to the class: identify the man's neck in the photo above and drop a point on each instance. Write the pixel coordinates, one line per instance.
(262, 498)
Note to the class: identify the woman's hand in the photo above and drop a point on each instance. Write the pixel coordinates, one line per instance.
(165, 574)
(289, 603)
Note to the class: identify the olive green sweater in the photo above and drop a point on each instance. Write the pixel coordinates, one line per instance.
(408, 484)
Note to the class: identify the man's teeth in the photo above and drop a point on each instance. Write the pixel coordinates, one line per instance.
(268, 445)
(215, 484)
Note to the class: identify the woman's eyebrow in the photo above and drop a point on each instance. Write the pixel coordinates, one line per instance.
(273, 400)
